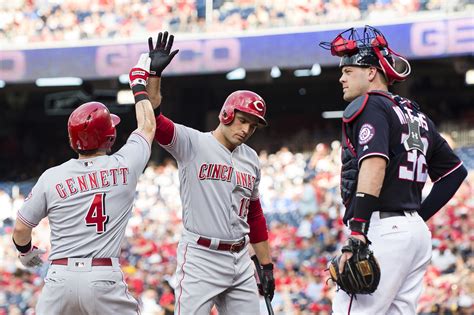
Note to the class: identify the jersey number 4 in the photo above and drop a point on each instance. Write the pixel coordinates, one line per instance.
(96, 214)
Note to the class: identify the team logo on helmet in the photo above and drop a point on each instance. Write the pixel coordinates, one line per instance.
(258, 105)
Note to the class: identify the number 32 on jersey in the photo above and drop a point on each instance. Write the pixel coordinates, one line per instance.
(416, 169)
(96, 214)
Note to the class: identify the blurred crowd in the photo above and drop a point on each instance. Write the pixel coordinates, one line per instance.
(300, 198)
(26, 21)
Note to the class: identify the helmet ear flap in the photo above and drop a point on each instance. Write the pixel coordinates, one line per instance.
(227, 115)
(389, 71)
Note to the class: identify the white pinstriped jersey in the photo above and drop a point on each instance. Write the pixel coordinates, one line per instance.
(88, 201)
(216, 185)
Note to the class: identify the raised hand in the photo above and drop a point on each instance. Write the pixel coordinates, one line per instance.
(139, 73)
(32, 258)
(161, 54)
(138, 78)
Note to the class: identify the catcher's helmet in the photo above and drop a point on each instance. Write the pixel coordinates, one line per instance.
(91, 126)
(244, 101)
(367, 50)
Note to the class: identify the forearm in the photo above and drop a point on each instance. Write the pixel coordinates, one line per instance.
(139, 77)
(369, 185)
(262, 250)
(146, 122)
(442, 192)
(154, 91)
(21, 233)
(371, 176)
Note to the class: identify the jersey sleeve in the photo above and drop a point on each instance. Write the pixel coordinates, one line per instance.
(443, 160)
(256, 192)
(34, 209)
(370, 131)
(136, 152)
(182, 144)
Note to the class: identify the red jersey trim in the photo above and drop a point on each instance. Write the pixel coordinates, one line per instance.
(374, 154)
(449, 172)
(25, 221)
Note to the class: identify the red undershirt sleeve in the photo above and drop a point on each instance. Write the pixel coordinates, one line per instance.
(164, 130)
(258, 224)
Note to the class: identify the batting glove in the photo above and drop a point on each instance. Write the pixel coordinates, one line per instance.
(267, 284)
(140, 72)
(161, 54)
(32, 257)
(138, 77)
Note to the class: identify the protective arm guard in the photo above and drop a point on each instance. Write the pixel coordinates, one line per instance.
(349, 175)
(350, 167)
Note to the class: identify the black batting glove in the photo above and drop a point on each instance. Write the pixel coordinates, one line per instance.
(161, 54)
(269, 282)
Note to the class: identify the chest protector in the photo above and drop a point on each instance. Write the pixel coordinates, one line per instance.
(349, 158)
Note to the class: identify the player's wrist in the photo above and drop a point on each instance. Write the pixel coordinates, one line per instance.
(22, 248)
(360, 237)
(140, 93)
(155, 73)
(268, 266)
(365, 205)
(356, 233)
(359, 227)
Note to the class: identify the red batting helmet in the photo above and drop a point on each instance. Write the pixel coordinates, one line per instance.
(91, 126)
(244, 101)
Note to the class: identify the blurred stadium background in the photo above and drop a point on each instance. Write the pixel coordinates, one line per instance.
(58, 54)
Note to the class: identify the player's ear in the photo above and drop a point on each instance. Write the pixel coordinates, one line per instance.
(372, 73)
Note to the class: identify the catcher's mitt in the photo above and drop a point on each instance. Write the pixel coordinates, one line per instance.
(361, 274)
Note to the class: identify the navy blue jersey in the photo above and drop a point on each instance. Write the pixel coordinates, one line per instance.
(408, 140)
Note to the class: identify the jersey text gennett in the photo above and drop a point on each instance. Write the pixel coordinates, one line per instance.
(92, 180)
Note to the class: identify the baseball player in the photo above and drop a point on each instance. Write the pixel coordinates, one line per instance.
(88, 202)
(219, 178)
(390, 149)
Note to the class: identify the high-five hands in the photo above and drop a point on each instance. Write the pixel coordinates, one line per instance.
(161, 54)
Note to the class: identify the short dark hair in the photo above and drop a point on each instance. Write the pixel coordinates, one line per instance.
(87, 152)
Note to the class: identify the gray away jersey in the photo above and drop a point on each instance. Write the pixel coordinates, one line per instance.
(88, 202)
(216, 185)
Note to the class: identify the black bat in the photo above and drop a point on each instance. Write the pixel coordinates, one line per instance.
(264, 285)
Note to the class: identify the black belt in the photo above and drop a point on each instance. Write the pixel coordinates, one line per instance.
(388, 214)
